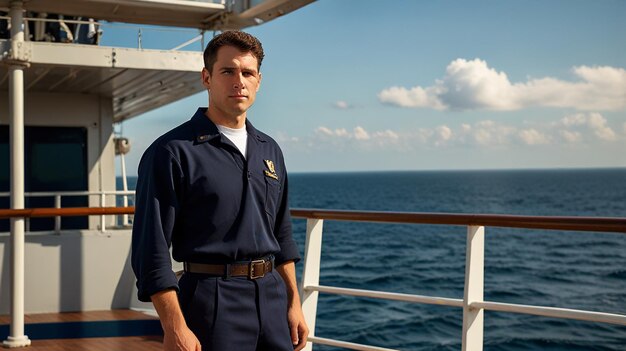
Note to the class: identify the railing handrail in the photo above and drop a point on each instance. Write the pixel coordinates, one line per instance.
(573, 223)
(103, 25)
(71, 193)
(57, 212)
(54, 20)
(65, 212)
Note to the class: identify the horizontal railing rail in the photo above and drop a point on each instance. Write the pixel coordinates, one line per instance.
(555, 312)
(472, 303)
(98, 27)
(572, 223)
(58, 195)
(70, 193)
(346, 345)
(569, 223)
(65, 212)
(429, 300)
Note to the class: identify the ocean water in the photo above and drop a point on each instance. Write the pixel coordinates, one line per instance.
(548, 268)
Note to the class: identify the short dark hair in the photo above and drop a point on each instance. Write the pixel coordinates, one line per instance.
(241, 40)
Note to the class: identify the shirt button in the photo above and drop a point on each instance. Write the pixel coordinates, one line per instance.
(249, 174)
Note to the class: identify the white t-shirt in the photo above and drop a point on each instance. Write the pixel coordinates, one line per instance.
(239, 137)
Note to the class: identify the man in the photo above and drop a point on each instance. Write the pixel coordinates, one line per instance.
(215, 189)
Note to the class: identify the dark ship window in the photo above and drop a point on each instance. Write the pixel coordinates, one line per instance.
(55, 160)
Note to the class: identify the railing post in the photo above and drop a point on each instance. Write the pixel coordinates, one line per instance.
(473, 317)
(102, 204)
(57, 219)
(311, 273)
(125, 188)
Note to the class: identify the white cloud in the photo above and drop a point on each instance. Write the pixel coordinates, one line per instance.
(569, 136)
(577, 129)
(472, 84)
(414, 97)
(601, 130)
(444, 133)
(282, 137)
(360, 133)
(574, 120)
(469, 85)
(323, 130)
(593, 122)
(533, 137)
(488, 133)
(342, 105)
(342, 132)
(423, 135)
(386, 134)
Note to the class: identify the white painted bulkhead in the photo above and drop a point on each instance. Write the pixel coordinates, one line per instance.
(92, 112)
(91, 87)
(75, 270)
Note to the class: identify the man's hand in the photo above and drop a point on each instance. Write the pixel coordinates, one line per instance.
(297, 326)
(295, 317)
(177, 336)
(182, 339)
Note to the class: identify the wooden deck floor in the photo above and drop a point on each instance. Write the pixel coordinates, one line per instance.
(88, 316)
(136, 343)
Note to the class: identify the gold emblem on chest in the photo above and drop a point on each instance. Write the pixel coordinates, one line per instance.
(271, 170)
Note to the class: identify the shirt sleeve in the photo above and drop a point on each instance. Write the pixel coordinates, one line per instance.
(283, 230)
(156, 206)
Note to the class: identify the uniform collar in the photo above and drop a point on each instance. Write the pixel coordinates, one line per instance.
(206, 130)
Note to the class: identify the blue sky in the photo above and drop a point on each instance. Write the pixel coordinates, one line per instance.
(427, 85)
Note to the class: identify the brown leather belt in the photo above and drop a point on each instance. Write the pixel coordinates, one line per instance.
(252, 269)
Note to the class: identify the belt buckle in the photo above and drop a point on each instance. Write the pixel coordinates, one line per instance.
(252, 271)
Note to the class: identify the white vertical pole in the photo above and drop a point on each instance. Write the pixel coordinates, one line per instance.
(57, 219)
(473, 317)
(311, 273)
(102, 204)
(16, 101)
(125, 188)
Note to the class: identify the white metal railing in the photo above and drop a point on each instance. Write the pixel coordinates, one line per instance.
(102, 195)
(97, 28)
(472, 303)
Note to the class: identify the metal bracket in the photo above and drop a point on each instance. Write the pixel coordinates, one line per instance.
(18, 55)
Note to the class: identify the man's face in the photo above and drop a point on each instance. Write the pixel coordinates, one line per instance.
(232, 84)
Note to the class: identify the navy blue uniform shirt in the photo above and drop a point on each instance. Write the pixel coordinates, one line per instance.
(198, 194)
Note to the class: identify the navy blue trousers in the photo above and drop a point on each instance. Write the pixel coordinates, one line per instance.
(236, 313)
